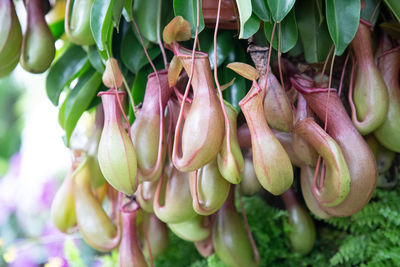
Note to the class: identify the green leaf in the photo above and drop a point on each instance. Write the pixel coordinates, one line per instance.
(139, 84)
(61, 113)
(146, 13)
(95, 58)
(320, 10)
(138, 88)
(63, 71)
(117, 12)
(127, 11)
(297, 50)
(79, 99)
(245, 11)
(289, 33)
(371, 11)
(280, 8)
(225, 39)
(343, 17)
(238, 90)
(57, 29)
(101, 21)
(132, 53)
(313, 34)
(394, 5)
(260, 8)
(188, 10)
(251, 26)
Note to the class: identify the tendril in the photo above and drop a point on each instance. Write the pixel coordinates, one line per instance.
(221, 99)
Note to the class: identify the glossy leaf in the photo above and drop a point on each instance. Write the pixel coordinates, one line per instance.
(79, 99)
(320, 10)
(245, 10)
(280, 8)
(343, 17)
(188, 10)
(289, 33)
(224, 45)
(251, 27)
(238, 90)
(297, 50)
(139, 84)
(260, 8)
(117, 11)
(101, 21)
(314, 34)
(127, 11)
(132, 53)
(63, 71)
(235, 92)
(55, 19)
(146, 13)
(95, 58)
(61, 114)
(394, 5)
(57, 29)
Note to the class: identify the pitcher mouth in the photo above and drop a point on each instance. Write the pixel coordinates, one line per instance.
(130, 207)
(310, 90)
(254, 91)
(160, 72)
(187, 53)
(111, 92)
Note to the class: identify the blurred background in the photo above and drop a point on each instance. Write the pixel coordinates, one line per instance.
(33, 163)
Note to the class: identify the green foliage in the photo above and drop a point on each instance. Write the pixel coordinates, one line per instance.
(342, 17)
(132, 53)
(394, 6)
(64, 70)
(288, 31)
(147, 15)
(260, 8)
(245, 11)
(188, 10)
(179, 253)
(212, 261)
(10, 120)
(79, 100)
(224, 45)
(373, 234)
(101, 23)
(270, 229)
(280, 9)
(313, 32)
